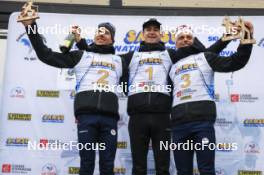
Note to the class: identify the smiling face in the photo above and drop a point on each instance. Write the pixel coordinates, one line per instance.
(184, 40)
(103, 37)
(152, 34)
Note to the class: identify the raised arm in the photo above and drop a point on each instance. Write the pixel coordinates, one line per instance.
(218, 46)
(234, 62)
(82, 44)
(46, 55)
(231, 63)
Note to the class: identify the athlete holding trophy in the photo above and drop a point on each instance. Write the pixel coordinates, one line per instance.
(193, 108)
(96, 110)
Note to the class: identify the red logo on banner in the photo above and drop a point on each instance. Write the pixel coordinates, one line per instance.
(141, 84)
(43, 143)
(234, 97)
(6, 168)
(179, 93)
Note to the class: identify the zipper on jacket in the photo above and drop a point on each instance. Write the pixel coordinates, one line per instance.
(149, 98)
(186, 108)
(99, 101)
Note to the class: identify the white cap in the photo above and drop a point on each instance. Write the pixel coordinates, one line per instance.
(183, 29)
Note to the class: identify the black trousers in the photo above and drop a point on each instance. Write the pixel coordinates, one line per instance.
(198, 132)
(92, 129)
(142, 128)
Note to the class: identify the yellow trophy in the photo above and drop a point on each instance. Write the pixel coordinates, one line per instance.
(229, 27)
(245, 36)
(237, 30)
(29, 11)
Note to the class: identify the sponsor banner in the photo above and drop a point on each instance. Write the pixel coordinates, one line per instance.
(43, 96)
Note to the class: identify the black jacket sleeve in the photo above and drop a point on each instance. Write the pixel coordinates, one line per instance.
(218, 46)
(124, 78)
(232, 63)
(46, 55)
(82, 44)
(126, 59)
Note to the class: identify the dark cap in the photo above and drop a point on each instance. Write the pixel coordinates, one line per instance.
(151, 21)
(109, 27)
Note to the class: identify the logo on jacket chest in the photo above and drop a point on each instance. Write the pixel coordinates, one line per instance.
(185, 68)
(150, 61)
(103, 64)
